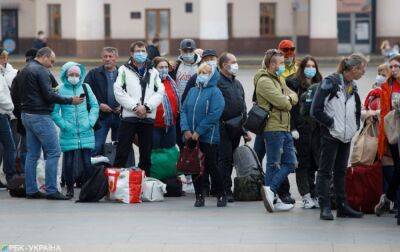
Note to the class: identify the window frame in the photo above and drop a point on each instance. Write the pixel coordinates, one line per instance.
(271, 14)
(54, 13)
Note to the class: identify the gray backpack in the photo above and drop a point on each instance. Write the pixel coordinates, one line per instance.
(246, 162)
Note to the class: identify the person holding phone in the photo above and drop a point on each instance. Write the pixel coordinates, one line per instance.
(76, 123)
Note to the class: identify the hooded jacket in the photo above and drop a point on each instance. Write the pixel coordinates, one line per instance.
(75, 121)
(339, 112)
(9, 73)
(272, 95)
(202, 110)
(6, 104)
(183, 72)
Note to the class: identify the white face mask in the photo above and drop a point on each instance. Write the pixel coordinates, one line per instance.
(380, 79)
(234, 69)
(73, 80)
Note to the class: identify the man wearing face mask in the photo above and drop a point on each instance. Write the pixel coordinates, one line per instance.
(139, 90)
(235, 111)
(274, 96)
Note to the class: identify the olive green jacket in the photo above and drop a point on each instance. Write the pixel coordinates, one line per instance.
(273, 95)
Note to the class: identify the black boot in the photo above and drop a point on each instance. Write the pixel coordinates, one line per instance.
(344, 210)
(326, 213)
(221, 201)
(70, 192)
(199, 200)
(229, 196)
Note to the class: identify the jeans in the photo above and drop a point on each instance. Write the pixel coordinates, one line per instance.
(281, 158)
(126, 134)
(9, 152)
(210, 152)
(69, 159)
(41, 132)
(225, 157)
(334, 159)
(110, 122)
(164, 138)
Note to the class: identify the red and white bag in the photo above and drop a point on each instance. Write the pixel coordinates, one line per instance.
(125, 185)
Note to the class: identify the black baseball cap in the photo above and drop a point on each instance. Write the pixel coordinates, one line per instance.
(188, 44)
(209, 52)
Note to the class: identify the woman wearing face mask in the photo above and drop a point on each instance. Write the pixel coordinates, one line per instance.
(76, 122)
(305, 130)
(200, 117)
(164, 133)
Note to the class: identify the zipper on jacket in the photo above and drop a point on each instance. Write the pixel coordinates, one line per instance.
(194, 108)
(76, 120)
(212, 135)
(207, 103)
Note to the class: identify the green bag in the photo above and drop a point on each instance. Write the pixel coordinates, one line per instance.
(163, 163)
(248, 188)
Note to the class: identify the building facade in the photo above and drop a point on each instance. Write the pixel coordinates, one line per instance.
(83, 27)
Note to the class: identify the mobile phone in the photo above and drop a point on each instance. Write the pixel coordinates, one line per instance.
(83, 95)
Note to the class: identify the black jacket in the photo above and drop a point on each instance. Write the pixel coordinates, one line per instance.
(37, 96)
(152, 52)
(38, 44)
(97, 80)
(235, 103)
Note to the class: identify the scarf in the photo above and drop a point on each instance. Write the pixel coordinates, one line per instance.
(168, 113)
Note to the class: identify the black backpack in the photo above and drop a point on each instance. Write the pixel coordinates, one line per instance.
(96, 187)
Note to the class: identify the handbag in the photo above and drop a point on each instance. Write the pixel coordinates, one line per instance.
(191, 159)
(234, 126)
(256, 119)
(97, 125)
(392, 126)
(153, 190)
(365, 146)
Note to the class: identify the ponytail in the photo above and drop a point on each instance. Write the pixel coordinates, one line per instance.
(348, 63)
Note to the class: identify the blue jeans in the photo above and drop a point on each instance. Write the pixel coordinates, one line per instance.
(9, 152)
(281, 158)
(110, 122)
(41, 132)
(164, 139)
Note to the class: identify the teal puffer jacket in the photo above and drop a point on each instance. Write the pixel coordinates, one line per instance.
(74, 121)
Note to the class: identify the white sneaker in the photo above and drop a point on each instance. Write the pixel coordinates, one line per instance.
(316, 202)
(308, 202)
(268, 198)
(279, 206)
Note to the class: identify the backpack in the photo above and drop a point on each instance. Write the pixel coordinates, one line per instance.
(247, 184)
(306, 100)
(96, 187)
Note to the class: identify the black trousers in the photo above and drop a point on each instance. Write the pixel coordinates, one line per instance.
(225, 157)
(210, 152)
(395, 180)
(126, 135)
(308, 154)
(334, 159)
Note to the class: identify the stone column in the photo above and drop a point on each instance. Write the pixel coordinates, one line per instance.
(213, 23)
(323, 27)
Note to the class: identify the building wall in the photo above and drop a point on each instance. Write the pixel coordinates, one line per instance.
(387, 27)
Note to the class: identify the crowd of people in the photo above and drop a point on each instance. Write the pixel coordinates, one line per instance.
(156, 103)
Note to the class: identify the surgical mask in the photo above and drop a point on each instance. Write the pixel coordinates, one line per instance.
(139, 57)
(280, 70)
(212, 63)
(73, 80)
(188, 57)
(202, 78)
(163, 73)
(310, 72)
(380, 79)
(288, 61)
(234, 69)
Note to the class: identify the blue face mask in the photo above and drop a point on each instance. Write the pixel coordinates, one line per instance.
(202, 78)
(139, 57)
(163, 73)
(280, 70)
(188, 57)
(310, 72)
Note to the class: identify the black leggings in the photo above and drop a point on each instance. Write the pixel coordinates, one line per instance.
(395, 180)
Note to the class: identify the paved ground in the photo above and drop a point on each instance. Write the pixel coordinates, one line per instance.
(174, 225)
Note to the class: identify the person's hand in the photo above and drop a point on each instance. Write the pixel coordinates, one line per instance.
(295, 134)
(247, 137)
(105, 108)
(188, 135)
(117, 110)
(195, 136)
(140, 111)
(77, 100)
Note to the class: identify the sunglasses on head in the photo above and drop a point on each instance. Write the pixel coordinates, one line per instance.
(271, 53)
(291, 49)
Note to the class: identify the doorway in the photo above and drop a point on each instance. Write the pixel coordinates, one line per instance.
(158, 26)
(9, 29)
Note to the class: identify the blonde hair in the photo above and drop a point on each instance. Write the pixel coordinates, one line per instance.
(4, 53)
(384, 44)
(204, 68)
(384, 68)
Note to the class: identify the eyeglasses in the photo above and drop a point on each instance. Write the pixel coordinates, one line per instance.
(394, 66)
(286, 50)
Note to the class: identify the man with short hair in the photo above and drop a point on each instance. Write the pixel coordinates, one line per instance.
(37, 101)
(101, 81)
(139, 90)
(274, 96)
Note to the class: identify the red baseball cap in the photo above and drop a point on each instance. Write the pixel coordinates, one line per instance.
(287, 47)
